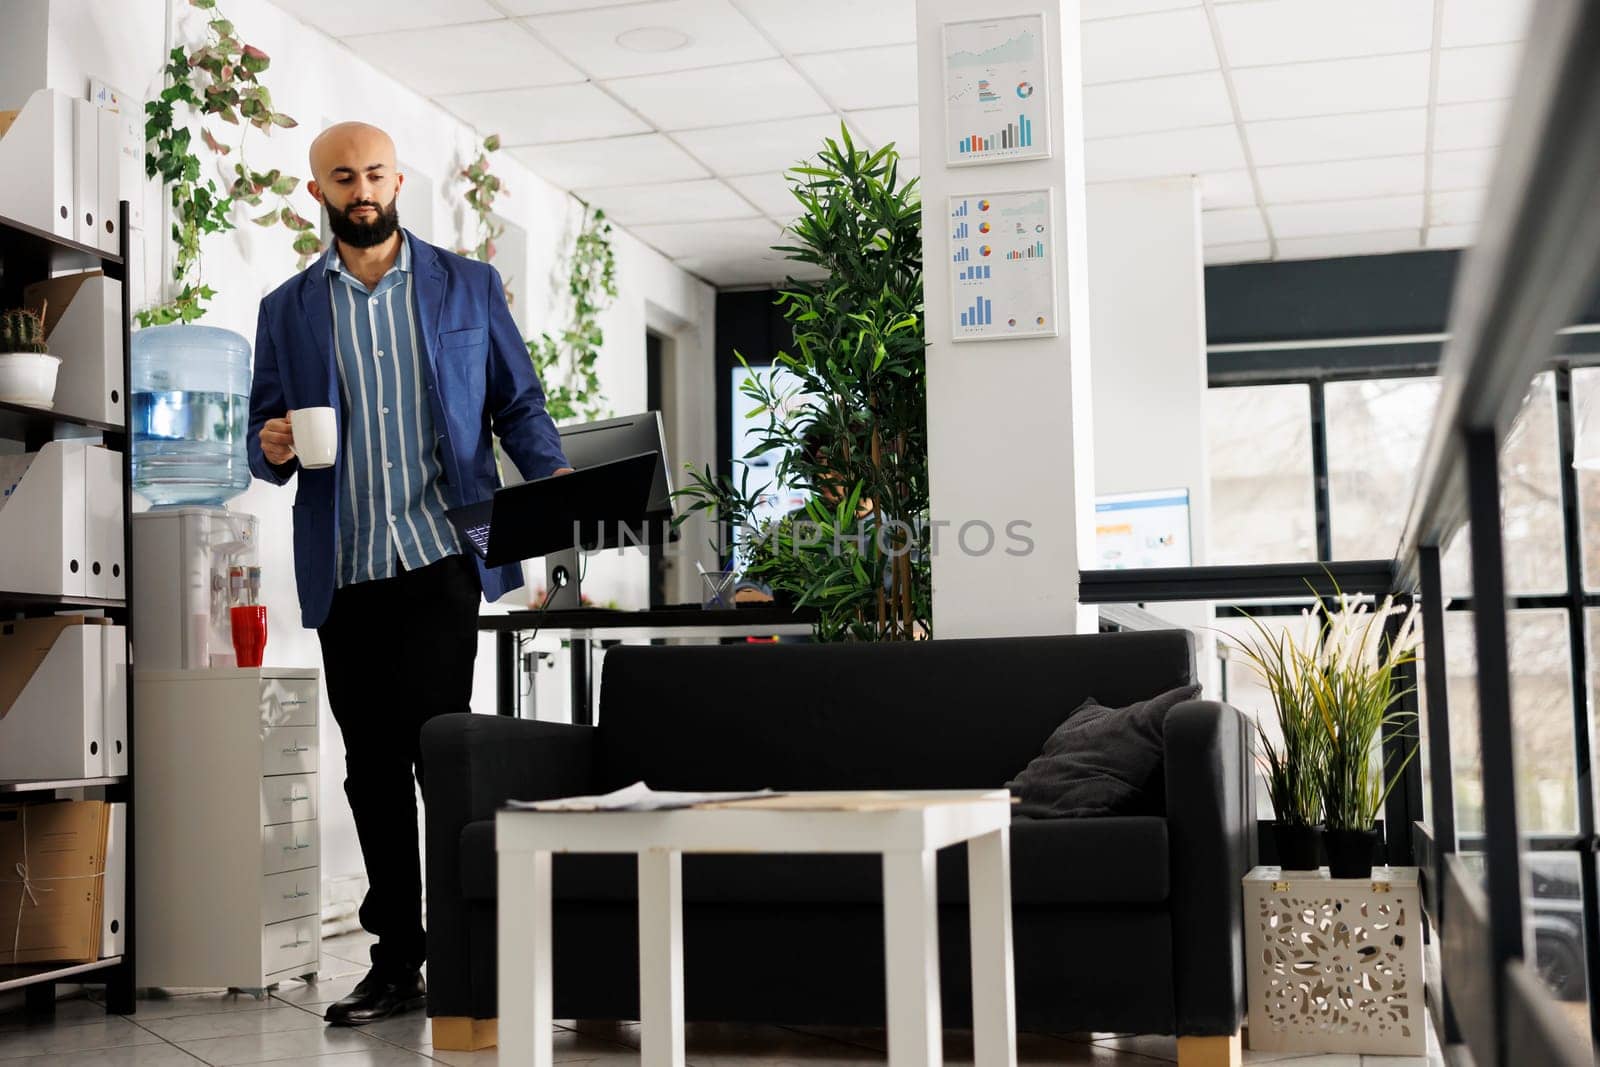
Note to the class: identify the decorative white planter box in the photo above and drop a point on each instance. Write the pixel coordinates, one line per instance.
(1335, 964)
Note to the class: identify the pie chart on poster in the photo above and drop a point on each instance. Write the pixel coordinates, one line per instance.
(1024, 89)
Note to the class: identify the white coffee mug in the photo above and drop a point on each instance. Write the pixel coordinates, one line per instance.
(316, 436)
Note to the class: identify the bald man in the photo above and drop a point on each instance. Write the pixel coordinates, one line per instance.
(414, 349)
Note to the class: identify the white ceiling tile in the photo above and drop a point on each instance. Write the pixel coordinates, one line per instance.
(1232, 226)
(1295, 31)
(1117, 108)
(1245, 252)
(761, 146)
(1468, 22)
(613, 161)
(1469, 169)
(864, 77)
(378, 16)
(1451, 236)
(1456, 207)
(715, 33)
(721, 96)
(1468, 125)
(1377, 243)
(537, 116)
(464, 59)
(1110, 9)
(693, 201)
(1310, 140)
(889, 125)
(1486, 72)
(1227, 188)
(820, 25)
(1333, 87)
(1346, 216)
(681, 239)
(748, 270)
(545, 7)
(1147, 46)
(1343, 180)
(1154, 155)
(770, 192)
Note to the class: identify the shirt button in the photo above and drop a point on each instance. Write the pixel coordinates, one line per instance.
(391, 518)
(374, 301)
(386, 411)
(380, 353)
(388, 466)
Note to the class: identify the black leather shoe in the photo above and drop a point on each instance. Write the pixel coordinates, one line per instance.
(379, 995)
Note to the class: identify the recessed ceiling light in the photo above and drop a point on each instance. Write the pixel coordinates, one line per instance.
(652, 39)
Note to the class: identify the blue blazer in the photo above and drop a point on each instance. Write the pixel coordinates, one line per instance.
(477, 377)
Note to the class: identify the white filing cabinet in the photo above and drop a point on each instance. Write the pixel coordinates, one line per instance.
(226, 789)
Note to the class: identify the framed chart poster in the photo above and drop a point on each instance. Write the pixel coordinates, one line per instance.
(1002, 266)
(1149, 529)
(996, 95)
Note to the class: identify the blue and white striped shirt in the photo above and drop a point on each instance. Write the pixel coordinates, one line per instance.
(390, 506)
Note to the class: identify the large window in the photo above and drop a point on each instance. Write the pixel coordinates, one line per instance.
(1376, 432)
(1258, 445)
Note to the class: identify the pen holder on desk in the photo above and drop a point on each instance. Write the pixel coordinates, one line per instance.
(716, 589)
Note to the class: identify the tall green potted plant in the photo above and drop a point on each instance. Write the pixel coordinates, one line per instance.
(1355, 689)
(852, 426)
(1294, 767)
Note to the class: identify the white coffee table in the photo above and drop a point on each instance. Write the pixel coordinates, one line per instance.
(906, 828)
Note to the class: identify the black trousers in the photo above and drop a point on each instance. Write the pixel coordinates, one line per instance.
(395, 653)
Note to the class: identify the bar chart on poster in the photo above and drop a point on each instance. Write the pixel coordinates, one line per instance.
(996, 107)
(1002, 266)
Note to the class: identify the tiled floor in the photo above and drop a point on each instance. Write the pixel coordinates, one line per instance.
(286, 1029)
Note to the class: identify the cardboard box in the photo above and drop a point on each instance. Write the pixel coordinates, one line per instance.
(57, 916)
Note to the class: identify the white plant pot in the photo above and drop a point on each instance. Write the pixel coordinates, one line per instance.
(28, 378)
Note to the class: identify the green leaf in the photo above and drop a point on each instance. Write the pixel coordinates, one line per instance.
(223, 27)
(265, 220)
(282, 120)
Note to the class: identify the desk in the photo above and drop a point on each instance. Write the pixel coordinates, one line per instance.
(581, 626)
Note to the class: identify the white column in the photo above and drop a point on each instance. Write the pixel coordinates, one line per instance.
(1147, 293)
(1009, 423)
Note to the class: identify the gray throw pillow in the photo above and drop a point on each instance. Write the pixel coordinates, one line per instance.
(1101, 761)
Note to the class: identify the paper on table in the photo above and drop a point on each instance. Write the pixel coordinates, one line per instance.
(636, 797)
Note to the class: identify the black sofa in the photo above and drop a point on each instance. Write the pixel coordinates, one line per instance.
(1124, 924)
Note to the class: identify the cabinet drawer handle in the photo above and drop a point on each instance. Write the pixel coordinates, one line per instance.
(297, 894)
(296, 944)
(297, 846)
(296, 748)
(295, 798)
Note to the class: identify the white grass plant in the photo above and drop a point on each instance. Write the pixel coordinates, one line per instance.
(1334, 681)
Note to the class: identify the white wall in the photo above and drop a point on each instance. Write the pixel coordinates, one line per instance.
(318, 81)
(1147, 300)
(1009, 421)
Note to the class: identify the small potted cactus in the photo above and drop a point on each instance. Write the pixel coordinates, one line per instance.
(27, 369)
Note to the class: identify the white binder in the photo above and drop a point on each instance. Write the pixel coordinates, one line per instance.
(114, 888)
(108, 183)
(85, 172)
(102, 523)
(42, 542)
(36, 159)
(83, 317)
(53, 727)
(114, 686)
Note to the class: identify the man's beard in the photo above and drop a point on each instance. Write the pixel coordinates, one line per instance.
(359, 234)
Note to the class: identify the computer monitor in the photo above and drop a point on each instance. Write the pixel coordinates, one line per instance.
(590, 443)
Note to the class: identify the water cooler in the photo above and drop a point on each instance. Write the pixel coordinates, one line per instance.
(182, 557)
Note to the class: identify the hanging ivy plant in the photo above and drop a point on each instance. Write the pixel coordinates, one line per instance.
(219, 77)
(566, 365)
(482, 188)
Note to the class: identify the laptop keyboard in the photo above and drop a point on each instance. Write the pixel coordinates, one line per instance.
(480, 537)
